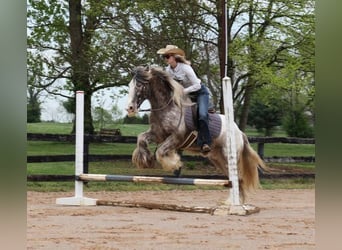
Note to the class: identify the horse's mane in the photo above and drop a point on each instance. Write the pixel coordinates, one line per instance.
(144, 74)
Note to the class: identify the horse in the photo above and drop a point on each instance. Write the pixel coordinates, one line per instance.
(169, 129)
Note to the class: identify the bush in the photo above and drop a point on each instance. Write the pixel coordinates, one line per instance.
(296, 124)
(136, 119)
(265, 117)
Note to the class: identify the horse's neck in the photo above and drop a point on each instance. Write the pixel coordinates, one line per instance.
(159, 98)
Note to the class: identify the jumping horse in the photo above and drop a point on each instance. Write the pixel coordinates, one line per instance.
(169, 129)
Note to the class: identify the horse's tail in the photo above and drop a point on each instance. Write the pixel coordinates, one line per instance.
(249, 162)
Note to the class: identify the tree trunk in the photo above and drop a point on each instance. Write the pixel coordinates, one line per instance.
(79, 62)
(245, 106)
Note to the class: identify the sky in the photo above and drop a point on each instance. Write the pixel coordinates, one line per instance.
(52, 109)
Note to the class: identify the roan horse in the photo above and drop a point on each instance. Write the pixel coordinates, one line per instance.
(168, 130)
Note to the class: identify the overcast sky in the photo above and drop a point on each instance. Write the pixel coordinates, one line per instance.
(52, 109)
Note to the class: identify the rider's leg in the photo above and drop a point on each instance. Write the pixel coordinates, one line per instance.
(204, 138)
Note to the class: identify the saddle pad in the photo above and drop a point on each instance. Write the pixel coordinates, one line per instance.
(214, 122)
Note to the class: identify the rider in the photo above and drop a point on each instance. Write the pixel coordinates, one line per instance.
(180, 69)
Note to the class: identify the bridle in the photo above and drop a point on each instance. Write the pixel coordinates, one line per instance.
(151, 109)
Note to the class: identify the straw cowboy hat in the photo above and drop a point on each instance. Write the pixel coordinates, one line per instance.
(171, 49)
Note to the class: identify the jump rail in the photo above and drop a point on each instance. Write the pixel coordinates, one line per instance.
(149, 179)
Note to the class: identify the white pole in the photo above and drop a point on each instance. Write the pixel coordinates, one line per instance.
(78, 199)
(226, 39)
(231, 144)
(79, 142)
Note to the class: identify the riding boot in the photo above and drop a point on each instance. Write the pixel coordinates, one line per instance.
(204, 138)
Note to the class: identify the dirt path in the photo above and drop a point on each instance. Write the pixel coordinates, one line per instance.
(286, 221)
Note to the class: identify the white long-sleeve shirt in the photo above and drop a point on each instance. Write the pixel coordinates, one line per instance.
(185, 74)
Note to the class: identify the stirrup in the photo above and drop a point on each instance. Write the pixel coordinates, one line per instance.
(205, 148)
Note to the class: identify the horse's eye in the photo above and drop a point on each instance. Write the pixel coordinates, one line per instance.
(139, 85)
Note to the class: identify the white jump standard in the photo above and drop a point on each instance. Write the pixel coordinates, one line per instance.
(78, 199)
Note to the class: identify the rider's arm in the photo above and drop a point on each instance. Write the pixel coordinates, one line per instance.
(195, 82)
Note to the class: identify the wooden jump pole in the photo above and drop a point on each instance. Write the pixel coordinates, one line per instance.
(160, 206)
(151, 179)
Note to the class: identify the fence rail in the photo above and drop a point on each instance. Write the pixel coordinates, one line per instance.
(261, 141)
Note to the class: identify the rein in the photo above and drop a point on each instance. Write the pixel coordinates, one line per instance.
(157, 109)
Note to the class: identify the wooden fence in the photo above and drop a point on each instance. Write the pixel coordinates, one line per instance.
(261, 141)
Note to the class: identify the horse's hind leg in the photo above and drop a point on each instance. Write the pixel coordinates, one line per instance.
(220, 161)
(142, 157)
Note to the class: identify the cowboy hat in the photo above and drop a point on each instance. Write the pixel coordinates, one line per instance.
(171, 49)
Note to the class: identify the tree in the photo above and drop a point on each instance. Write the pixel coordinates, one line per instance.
(296, 124)
(33, 102)
(70, 49)
(265, 116)
(33, 105)
(92, 45)
(265, 44)
(101, 117)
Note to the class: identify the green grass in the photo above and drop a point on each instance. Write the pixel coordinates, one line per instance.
(126, 168)
(64, 148)
(66, 128)
(296, 183)
(49, 128)
(253, 132)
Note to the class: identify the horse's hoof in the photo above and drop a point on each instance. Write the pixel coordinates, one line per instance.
(177, 172)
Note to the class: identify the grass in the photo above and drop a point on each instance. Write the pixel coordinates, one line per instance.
(66, 128)
(126, 168)
(297, 183)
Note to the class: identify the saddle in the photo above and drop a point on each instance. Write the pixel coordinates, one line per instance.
(190, 118)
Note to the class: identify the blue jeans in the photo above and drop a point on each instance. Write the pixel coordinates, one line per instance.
(203, 117)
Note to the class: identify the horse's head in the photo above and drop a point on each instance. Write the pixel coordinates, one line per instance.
(138, 89)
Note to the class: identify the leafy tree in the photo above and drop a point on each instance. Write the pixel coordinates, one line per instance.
(101, 117)
(265, 116)
(33, 103)
(296, 124)
(91, 45)
(33, 106)
(72, 46)
(116, 112)
(268, 45)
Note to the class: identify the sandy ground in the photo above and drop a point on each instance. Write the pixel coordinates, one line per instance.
(286, 221)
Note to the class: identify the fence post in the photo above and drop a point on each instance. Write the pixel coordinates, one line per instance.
(86, 155)
(261, 149)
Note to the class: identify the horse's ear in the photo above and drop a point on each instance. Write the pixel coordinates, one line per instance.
(134, 71)
(137, 69)
(147, 68)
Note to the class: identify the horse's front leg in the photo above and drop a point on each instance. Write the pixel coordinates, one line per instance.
(142, 157)
(167, 155)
